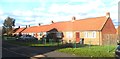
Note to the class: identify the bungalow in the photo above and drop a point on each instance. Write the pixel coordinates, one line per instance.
(19, 30)
(36, 31)
(89, 30)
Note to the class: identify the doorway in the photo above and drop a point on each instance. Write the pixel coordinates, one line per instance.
(77, 37)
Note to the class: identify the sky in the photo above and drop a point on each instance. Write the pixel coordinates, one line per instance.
(32, 12)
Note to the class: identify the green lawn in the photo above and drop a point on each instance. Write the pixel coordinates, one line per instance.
(93, 51)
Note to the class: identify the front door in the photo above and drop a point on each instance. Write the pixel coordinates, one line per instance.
(77, 37)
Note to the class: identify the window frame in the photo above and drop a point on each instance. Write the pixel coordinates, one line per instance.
(90, 34)
(69, 34)
(94, 34)
(86, 34)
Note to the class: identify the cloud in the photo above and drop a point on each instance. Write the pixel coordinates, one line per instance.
(29, 18)
(61, 10)
(85, 8)
(38, 9)
(68, 8)
(23, 23)
(22, 13)
(88, 9)
(1, 12)
(3, 17)
(79, 10)
(114, 14)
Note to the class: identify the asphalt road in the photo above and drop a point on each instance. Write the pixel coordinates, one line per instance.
(8, 53)
(15, 51)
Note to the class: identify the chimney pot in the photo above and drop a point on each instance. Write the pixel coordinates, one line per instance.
(73, 18)
(39, 24)
(108, 14)
(18, 26)
(28, 25)
(52, 21)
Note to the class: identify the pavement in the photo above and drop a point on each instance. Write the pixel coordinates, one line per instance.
(11, 50)
(59, 54)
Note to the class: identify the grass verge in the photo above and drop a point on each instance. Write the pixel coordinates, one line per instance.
(93, 51)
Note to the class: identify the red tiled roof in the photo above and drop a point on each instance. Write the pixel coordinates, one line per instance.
(77, 25)
(19, 30)
(36, 29)
(29, 29)
(81, 24)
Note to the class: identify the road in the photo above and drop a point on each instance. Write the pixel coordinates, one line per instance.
(11, 50)
(9, 53)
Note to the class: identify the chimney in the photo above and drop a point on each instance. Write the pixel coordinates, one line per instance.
(52, 21)
(39, 24)
(107, 14)
(73, 18)
(18, 26)
(28, 25)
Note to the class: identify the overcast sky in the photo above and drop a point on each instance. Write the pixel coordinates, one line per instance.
(32, 12)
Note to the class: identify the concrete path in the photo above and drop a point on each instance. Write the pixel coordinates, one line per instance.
(59, 54)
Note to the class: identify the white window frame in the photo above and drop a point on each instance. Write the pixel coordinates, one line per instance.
(94, 34)
(88, 35)
(69, 34)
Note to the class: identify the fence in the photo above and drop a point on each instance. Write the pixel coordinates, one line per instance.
(110, 39)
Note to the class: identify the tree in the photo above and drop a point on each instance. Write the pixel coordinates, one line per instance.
(8, 25)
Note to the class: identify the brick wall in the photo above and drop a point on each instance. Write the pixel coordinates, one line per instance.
(109, 27)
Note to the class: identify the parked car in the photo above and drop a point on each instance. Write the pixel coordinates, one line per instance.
(117, 52)
(26, 38)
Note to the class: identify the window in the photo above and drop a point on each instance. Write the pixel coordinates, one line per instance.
(32, 34)
(86, 34)
(69, 34)
(94, 34)
(90, 34)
